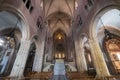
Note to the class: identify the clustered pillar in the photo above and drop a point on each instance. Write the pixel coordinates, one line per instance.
(98, 58)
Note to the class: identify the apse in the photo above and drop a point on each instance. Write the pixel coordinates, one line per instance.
(59, 42)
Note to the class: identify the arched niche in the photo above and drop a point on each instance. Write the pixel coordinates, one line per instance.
(108, 24)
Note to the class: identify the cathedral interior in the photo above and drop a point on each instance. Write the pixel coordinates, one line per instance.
(59, 39)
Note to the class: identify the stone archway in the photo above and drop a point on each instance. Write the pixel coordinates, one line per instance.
(10, 35)
(105, 26)
(16, 23)
(106, 19)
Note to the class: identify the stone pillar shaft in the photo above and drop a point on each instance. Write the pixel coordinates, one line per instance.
(80, 58)
(37, 65)
(21, 58)
(98, 58)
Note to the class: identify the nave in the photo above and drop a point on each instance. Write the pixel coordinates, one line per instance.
(60, 39)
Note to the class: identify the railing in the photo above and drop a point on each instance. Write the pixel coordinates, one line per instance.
(24, 78)
(82, 78)
(79, 76)
(113, 77)
(69, 78)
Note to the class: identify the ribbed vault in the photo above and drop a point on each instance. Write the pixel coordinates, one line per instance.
(59, 14)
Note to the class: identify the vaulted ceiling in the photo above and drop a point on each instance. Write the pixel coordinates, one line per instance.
(53, 6)
(59, 14)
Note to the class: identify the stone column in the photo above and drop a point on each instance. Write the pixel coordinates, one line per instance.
(99, 62)
(21, 58)
(80, 57)
(38, 60)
